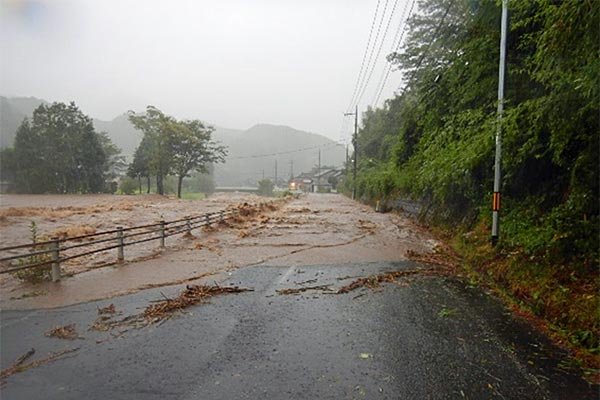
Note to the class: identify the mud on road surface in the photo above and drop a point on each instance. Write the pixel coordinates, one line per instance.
(301, 298)
(314, 229)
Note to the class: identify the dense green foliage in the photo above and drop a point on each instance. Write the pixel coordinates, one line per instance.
(265, 187)
(434, 141)
(58, 151)
(174, 147)
(200, 182)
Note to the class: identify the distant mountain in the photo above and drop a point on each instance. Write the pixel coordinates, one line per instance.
(257, 150)
(12, 112)
(250, 152)
(121, 132)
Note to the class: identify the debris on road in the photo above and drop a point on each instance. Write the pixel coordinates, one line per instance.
(103, 323)
(443, 257)
(24, 357)
(18, 365)
(326, 288)
(367, 226)
(370, 282)
(192, 295)
(161, 310)
(67, 332)
(110, 309)
(374, 281)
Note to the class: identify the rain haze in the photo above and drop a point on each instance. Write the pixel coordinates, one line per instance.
(299, 199)
(232, 63)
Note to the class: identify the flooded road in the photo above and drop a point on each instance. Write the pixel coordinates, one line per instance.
(334, 310)
(313, 229)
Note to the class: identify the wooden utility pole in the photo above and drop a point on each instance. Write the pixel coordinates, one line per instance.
(355, 145)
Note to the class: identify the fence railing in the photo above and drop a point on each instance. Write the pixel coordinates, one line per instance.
(58, 250)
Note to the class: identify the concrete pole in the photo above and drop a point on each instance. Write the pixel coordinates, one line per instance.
(55, 260)
(120, 254)
(498, 158)
(355, 144)
(162, 234)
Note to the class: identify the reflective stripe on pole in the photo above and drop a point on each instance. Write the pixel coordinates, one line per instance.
(496, 201)
(498, 159)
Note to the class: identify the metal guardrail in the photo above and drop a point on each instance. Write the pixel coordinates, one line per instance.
(53, 251)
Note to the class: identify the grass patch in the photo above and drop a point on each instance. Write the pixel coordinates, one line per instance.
(559, 299)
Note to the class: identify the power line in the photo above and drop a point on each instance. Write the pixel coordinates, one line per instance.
(355, 100)
(358, 79)
(286, 152)
(378, 52)
(395, 47)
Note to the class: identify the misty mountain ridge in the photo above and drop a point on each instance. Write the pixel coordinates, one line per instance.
(13, 111)
(252, 153)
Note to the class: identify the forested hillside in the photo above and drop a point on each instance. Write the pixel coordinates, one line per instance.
(434, 142)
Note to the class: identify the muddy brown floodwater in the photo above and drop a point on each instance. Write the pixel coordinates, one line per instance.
(313, 229)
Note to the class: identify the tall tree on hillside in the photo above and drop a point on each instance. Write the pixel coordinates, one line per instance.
(140, 166)
(58, 151)
(193, 150)
(158, 129)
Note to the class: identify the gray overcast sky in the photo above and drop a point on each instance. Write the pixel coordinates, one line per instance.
(233, 63)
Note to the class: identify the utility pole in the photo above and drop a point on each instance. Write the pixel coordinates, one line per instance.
(319, 175)
(291, 169)
(275, 173)
(498, 159)
(346, 158)
(355, 145)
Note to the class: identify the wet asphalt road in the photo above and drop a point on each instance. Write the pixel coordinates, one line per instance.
(427, 338)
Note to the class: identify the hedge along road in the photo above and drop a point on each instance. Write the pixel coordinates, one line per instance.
(417, 336)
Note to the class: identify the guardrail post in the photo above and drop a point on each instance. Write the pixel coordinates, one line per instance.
(162, 234)
(188, 225)
(55, 260)
(120, 255)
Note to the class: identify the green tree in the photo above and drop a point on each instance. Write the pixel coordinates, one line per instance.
(58, 151)
(158, 129)
(193, 150)
(140, 166)
(172, 146)
(265, 187)
(8, 164)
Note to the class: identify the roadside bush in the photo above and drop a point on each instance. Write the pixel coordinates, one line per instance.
(37, 274)
(128, 186)
(265, 187)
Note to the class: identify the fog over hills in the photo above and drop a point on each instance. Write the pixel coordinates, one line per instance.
(256, 151)
(12, 112)
(253, 153)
